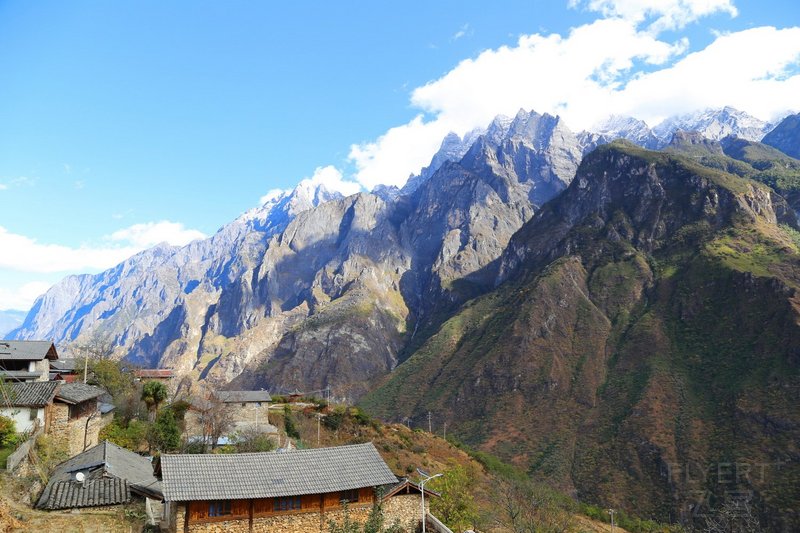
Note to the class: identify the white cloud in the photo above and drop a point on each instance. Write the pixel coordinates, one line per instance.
(3, 186)
(21, 253)
(152, 233)
(22, 297)
(271, 195)
(665, 14)
(463, 31)
(331, 178)
(614, 65)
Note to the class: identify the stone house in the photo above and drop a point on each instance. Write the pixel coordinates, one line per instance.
(102, 476)
(30, 405)
(26, 360)
(297, 491)
(77, 417)
(248, 408)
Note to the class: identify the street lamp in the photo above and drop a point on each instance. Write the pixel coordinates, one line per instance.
(611, 512)
(427, 477)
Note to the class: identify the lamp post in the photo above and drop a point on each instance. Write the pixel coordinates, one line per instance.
(611, 512)
(427, 477)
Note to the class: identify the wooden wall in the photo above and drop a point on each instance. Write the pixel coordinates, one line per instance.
(198, 510)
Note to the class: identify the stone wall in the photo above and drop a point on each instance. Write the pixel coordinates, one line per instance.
(404, 509)
(72, 431)
(305, 522)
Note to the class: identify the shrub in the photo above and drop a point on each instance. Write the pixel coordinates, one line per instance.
(132, 435)
(8, 431)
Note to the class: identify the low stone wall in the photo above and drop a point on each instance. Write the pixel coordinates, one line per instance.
(21, 454)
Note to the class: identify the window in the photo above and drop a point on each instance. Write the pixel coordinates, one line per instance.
(287, 503)
(219, 508)
(348, 496)
(33, 414)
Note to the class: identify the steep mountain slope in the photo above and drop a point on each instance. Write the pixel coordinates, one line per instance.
(315, 290)
(162, 294)
(748, 159)
(643, 350)
(786, 136)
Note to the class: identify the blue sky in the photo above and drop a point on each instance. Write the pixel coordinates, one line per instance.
(123, 122)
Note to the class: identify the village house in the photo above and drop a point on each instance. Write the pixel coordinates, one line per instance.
(297, 491)
(70, 412)
(249, 408)
(29, 404)
(78, 415)
(26, 360)
(102, 476)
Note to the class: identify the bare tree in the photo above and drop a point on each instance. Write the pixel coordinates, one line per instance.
(735, 516)
(525, 507)
(213, 416)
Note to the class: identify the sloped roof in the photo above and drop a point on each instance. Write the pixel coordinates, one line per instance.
(63, 365)
(104, 461)
(269, 474)
(78, 392)
(154, 373)
(32, 393)
(27, 350)
(243, 396)
(93, 493)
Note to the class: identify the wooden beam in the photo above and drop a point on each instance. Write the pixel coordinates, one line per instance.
(251, 515)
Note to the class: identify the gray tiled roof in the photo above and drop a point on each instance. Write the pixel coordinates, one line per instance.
(94, 493)
(243, 396)
(63, 364)
(106, 460)
(78, 392)
(32, 393)
(27, 350)
(270, 474)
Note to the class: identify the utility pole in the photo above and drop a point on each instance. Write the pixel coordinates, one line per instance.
(430, 430)
(445, 431)
(319, 417)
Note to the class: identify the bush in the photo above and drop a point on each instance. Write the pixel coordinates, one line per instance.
(334, 419)
(8, 431)
(132, 435)
(288, 424)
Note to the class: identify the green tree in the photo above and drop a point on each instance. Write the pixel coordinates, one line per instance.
(456, 506)
(153, 394)
(164, 435)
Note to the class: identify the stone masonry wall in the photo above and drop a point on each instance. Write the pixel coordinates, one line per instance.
(308, 522)
(62, 429)
(404, 509)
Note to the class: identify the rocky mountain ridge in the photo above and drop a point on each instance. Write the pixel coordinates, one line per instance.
(269, 293)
